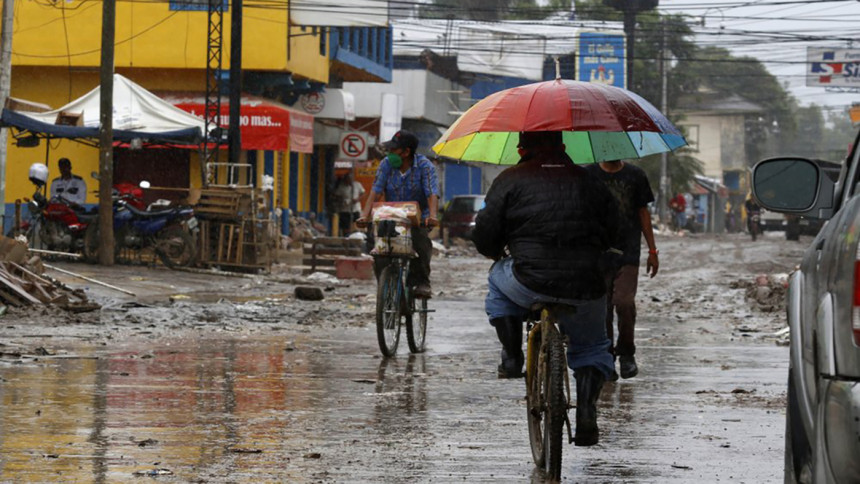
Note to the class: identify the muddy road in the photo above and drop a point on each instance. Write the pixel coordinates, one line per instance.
(204, 378)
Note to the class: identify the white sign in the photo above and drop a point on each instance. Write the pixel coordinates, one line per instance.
(392, 115)
(353, 146)
(832, 67)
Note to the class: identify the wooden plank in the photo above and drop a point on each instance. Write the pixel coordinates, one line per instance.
(10, 298)
(318, 262)
(18, 291)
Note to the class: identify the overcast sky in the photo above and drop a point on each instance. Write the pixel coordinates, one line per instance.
(777, 32)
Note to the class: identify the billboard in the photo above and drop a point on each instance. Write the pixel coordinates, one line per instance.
(601, 58)
(832, 67)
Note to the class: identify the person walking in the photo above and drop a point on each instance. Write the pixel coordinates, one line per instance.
(556, 220)
(678, 205)
(406, 176)
(629, 185)
(348, 195)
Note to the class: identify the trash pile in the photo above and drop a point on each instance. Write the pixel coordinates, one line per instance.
(23, 282)
(766, 292)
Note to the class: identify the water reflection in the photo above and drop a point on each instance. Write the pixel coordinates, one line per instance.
(203, 406)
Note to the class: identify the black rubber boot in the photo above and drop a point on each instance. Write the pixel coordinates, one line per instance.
(589, 382)
(510, 332)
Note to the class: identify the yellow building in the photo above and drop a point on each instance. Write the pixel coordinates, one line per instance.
(163, 47)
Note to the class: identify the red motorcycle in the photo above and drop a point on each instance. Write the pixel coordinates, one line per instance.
(60, 225)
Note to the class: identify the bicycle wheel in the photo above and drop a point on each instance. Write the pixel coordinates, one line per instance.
(416, 326)
(388, 310)
(546, 403)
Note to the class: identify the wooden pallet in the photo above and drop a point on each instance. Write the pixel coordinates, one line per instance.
(320, 253)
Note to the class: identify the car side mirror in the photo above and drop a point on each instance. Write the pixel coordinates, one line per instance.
(793, 185)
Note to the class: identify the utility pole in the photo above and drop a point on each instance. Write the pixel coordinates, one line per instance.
(5, 90)
(235, 140)
(630, 8)
(106, 242)
(664, 106)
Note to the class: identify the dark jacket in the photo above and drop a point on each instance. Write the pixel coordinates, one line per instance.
(556, 220)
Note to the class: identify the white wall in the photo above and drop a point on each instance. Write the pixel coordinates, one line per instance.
(719, 140)
(422, 91)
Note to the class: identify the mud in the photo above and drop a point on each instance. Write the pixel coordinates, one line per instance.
(204, 378)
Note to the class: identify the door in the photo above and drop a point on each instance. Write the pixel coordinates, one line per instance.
(161, 167)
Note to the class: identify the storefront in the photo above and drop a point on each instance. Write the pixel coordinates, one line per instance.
(277, 142)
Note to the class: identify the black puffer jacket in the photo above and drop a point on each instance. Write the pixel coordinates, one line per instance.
(556, 219)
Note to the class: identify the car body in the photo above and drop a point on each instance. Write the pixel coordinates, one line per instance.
(458, 219)
(823, 310)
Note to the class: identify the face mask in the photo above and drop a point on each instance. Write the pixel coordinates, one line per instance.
(394, 160)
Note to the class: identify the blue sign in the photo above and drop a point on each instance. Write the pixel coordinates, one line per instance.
(601, 58)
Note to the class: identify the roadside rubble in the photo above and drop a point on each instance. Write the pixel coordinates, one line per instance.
(24, 283)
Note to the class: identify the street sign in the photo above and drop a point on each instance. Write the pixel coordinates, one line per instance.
(353, 146)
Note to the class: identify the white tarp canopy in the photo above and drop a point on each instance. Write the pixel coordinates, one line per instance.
(134, 108)
(342, 13)
(137, 113)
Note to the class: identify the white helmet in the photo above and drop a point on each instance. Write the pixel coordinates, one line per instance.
(39, 174)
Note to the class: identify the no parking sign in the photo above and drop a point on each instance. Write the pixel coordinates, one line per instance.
(353, 146)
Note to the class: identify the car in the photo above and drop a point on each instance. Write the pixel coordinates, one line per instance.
(822, 433)
(458, 218)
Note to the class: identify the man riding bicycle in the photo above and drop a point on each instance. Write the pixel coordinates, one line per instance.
(556, 220)
(405, 176)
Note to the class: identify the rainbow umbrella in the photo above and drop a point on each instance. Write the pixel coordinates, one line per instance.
(599, 123)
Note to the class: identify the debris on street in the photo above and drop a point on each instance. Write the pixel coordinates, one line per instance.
(23, 283)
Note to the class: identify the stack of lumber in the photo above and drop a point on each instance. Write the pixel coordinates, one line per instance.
(22, 282)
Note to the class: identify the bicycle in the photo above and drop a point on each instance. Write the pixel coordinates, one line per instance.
(395, 300)
(547, 388)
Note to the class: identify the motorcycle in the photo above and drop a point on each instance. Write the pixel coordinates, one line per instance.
(59, 225)
(169, 232)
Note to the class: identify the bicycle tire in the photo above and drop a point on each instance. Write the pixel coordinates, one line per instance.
(416, 326)
(535, 369)
(546, 403)
(554, 427)
(388, 311)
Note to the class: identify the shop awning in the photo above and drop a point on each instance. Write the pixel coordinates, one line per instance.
(264, 124)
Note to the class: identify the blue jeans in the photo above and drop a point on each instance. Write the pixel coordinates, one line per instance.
(585, 329)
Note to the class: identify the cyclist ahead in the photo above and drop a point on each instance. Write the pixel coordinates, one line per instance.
(405, 176)
(556, 220)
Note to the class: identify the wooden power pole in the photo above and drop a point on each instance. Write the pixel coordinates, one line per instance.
(5, 89)
(106, 246)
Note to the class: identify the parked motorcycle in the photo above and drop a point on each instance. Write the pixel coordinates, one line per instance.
(168, 231)
(57, 224)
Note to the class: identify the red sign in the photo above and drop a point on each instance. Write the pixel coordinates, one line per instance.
(263, 125)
